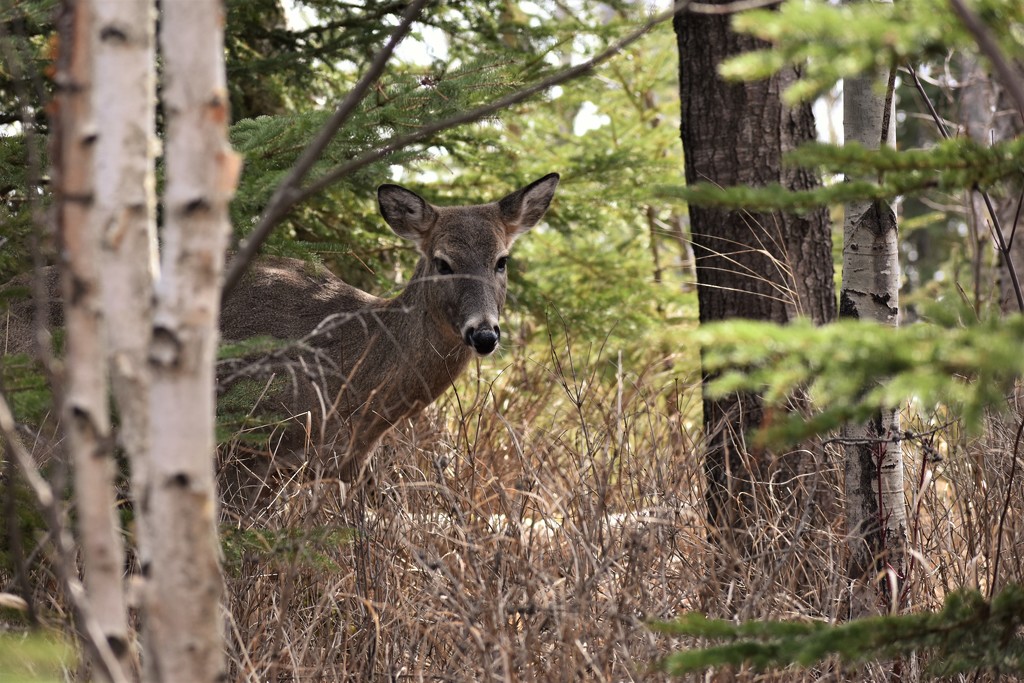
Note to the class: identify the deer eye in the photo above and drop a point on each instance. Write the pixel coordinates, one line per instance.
(442, 266)
(500, 266)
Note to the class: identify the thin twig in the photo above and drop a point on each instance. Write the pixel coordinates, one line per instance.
(1006, 508)
(997, 233)
(1016, 219)
(927, 452)
(995, 226)
(939, 123)
(297, 195)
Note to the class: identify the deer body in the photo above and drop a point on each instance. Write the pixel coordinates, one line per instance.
(359, 364)
(362, 363)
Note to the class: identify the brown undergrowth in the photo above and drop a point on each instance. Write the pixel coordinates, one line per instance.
(530, 525)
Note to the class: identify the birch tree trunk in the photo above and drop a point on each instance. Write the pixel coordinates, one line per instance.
(183, 606)
(84, 413)
(875, 507)
(124, 97)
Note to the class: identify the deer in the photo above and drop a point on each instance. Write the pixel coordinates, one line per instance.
(362, 364)
(354, 364)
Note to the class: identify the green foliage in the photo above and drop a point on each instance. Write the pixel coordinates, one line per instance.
(596, 285)
(34, 658)
(245, 410)
(313, 548)
(830, 42)
(26, 49)
(968, 633)
(31, 526)
(852, 369)
(950, 165)
(243, 394)
(255, 346)
(26, 388)
(15, 208)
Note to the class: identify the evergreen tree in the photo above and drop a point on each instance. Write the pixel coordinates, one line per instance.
(764, 266)
(955, 361)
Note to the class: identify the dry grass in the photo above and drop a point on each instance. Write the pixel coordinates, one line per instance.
(527, 528)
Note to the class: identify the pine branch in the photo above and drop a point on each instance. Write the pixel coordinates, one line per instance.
(290, 195)
(951, 165)
(284, 198)
(850, 369)
(969, 632)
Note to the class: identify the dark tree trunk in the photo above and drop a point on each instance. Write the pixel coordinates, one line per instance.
(762, 266)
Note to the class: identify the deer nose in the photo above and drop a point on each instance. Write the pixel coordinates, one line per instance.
(484, 339)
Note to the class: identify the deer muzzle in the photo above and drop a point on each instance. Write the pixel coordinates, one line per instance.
(483, 338)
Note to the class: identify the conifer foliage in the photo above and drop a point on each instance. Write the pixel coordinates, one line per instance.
(959, 363)
(969, 633)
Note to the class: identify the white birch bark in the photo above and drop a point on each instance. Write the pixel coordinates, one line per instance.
(185, 634)
(124, 100)
(124, 97)
(875, 504)
(84, 414)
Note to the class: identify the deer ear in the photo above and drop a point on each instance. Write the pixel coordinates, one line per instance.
(408, 214)
(524, 208)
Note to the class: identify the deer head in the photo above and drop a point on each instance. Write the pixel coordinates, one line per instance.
(462, 273)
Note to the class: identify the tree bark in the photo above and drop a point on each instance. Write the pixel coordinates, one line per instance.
(762, 266)
(988, 116)
(124, 97)
(84, 414)
(875, 507)
(183, 606)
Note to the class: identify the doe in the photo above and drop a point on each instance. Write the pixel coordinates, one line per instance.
(363, 363)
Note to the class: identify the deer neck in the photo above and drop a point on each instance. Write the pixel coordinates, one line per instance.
(437, 351)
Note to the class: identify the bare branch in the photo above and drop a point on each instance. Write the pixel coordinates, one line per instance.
(1004, 249)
